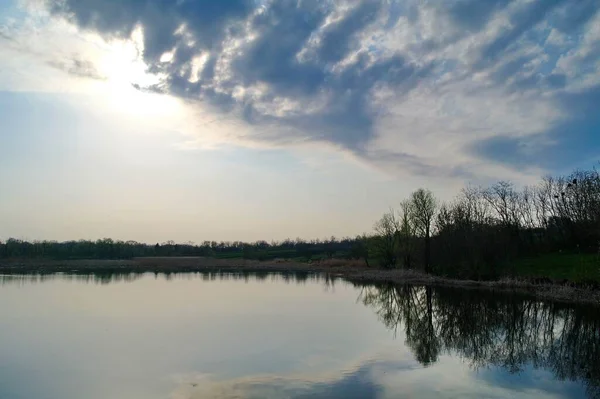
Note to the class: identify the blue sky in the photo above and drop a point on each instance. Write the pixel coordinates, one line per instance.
(192, 120)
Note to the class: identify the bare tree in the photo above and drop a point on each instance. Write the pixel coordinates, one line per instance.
(504, 200)
(423, 206)
(407, 233)
(478, 208)
(386, 230)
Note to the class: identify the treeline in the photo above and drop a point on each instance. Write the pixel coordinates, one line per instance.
(477, 235)
(107, 248)
(484, 229)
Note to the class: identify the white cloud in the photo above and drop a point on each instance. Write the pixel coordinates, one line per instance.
(412, 94)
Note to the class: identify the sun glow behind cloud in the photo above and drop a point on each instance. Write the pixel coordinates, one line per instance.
(52, 55)
(120, 62)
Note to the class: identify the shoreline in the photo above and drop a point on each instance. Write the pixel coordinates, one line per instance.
(543, 289)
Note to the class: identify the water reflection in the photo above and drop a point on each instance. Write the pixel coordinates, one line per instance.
(111, 277)
(262, 338)
(92, 278)
(488, 329)
(357, 383)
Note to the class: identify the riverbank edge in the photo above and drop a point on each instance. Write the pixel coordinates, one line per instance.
(554, 291)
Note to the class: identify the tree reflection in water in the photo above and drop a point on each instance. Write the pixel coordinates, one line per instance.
(489, 329)
(482, 327)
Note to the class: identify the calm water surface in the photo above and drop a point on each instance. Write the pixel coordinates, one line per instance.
(263, 336)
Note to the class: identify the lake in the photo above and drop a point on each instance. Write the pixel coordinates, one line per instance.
(192, 336)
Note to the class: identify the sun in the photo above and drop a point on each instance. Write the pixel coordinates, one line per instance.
(130, 100)
(122, 65)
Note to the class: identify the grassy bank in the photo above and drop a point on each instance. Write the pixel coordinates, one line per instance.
(354, 271)
(560, 266)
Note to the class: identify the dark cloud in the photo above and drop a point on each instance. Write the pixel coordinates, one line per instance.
(273, 58)
(517, 77)
(313, 68)
(473, 14)
(521, 22)
(574, 15)
(207, 20)
(570, 143)
(283, 31)
(518, 152)
(510, 68)
(583, 103)
(417, 166)
(552, 81)
(338, 39)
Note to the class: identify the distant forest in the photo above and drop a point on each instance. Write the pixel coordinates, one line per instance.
(107, 248)
(479, 234)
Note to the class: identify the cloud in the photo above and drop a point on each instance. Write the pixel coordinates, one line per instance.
(78, 68)
(5, 34)
(20, 40)
(418, 86)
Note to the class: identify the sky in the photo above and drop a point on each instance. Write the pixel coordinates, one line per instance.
(155, 120)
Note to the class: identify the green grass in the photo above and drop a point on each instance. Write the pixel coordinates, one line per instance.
(574, 267)
(229, 255)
